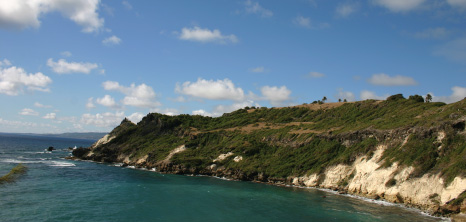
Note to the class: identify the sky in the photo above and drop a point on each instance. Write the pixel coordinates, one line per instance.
(83, 66)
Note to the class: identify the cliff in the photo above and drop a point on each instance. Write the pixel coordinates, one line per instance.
(399, 150)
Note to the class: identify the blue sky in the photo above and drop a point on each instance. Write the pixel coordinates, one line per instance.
(80, 66)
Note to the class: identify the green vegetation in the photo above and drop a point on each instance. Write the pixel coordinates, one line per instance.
(294, 141)
(11, 177)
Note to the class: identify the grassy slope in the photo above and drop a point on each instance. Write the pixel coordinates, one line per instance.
(281, 142)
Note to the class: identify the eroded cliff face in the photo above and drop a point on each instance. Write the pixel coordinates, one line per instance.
(365, 177)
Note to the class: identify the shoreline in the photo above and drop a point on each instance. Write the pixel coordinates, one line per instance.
(327, 190)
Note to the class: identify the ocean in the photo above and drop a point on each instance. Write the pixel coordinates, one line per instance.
(55, 189)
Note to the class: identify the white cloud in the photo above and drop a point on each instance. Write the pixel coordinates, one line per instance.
(28, 112)
(457, 3)
(14, 79)
(5, 62)
(433, 33)
(365, 94)
(201, 112)
(210, 89)
(64, 67)
(66, 54)
(198, 34)
(458, 94)
(454, 50)
(383, 79)
(106, 120)
(315, 75)
(135, 117)
(256, 8)
(20, 14)
(50, 116)
(345, 10)
(303, 21)
(127, 5)
(139, 96)
(399, 5)
(16, 124)
(90, 103)
(36, 104)
(276, 95)
(221, 109)
(107, 101)
(307, 23)
(259, 69)
(349, 96)
(112, 40)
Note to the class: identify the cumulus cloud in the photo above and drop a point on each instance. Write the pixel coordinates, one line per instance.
(20, 14)
(276, 95)
(457, 3)
(349, 96)
(458, 94)
(28, 112)
(135, 117)
(211, 89)
(256, 8)
(105, 120)
(454, 50)
(90, 103)
(64, 67)
(13, 80)
(135, 95)
(198, 34)
(107, 101)
(50, 116)
(307, 23)
(315, 75)
(221, 109)
(346, 9)
(383, 79)
(36, 104)
(5, 62)
(259, 69)
(399, 5)
(112, 40)
(365, 95)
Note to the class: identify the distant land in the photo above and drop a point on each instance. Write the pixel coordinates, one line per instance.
(86, 136)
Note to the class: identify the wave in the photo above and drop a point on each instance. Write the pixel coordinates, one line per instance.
(61, 164)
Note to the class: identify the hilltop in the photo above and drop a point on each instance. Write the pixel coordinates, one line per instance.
(400, 150)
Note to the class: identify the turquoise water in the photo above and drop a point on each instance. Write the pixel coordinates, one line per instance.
(55, 189)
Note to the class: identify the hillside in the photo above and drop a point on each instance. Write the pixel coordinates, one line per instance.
(401, 150)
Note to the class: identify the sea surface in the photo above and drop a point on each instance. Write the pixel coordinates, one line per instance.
(55, 189)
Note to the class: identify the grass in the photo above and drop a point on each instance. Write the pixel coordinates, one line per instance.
(14, 174)
(280, 148)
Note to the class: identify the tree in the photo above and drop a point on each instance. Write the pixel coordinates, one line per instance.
(345, 100)
(339, 100)
(428, 98)
(324, 99)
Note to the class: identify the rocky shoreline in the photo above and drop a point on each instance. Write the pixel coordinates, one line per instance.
(214, 170)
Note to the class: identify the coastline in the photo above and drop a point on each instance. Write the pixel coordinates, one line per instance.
(327, 190)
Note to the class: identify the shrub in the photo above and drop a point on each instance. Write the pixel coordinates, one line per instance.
(395, 97)
(416, 98)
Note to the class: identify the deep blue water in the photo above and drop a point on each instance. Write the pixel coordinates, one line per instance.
(55, 189)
